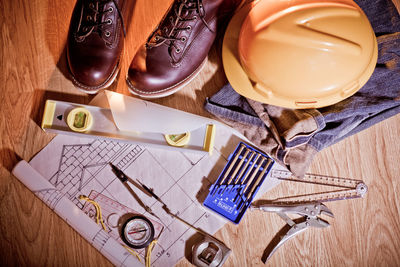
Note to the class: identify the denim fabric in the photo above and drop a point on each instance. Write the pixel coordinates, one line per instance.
(382, 14)
(299, 134)
(228, 103)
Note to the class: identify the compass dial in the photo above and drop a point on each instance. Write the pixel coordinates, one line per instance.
(138, 232)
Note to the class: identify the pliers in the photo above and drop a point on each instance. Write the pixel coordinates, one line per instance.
(309, 211)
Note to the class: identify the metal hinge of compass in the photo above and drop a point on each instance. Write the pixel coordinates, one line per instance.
(351, 188)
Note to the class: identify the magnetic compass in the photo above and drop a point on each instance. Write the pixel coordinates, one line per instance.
(137, 232)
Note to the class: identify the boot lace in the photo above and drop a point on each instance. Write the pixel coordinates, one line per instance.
(182, 11)
(94, 22)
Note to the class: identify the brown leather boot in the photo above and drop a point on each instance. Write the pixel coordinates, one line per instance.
(95, 43)
(176, 51)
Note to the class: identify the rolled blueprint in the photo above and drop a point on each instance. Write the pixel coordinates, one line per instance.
(74, 216)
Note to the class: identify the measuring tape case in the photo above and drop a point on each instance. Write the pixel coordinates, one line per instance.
(239, 182)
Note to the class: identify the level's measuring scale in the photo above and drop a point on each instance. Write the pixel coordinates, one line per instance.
(137, 232)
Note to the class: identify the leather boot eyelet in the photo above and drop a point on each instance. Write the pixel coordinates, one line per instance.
(178, 50)
(183, 39)
(89, 18)
(156, 38)
(194, 18)
(107, 34)
(109, 21)
(189, 28)
(110, 9)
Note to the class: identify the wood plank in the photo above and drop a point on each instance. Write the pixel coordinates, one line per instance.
(32, 60)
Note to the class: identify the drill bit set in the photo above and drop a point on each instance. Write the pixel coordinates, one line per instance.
(238, 183)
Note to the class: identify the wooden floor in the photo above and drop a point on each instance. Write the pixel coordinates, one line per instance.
(33, 68)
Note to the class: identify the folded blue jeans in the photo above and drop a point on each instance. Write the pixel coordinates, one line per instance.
(293, 137)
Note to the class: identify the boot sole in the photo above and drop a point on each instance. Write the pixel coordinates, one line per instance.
(94, 90)
(167, 91)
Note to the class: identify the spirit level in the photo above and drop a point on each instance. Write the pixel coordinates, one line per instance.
(84, 120)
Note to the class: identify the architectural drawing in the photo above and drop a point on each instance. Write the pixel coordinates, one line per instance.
(51, 196)
(74, 216)
(80, 166)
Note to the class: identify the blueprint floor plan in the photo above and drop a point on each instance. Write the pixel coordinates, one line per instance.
(80, 166)
(75, 166)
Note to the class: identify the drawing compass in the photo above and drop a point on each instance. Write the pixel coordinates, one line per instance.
(137, 232)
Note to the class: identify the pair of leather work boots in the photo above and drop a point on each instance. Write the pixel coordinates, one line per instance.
(172, 56)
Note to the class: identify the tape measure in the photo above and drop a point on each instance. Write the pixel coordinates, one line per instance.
(209, 252)
(84, 120)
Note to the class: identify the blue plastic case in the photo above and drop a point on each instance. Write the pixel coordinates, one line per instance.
(239, 182)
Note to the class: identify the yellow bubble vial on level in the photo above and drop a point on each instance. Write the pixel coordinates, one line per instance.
(79, 120)
(177, 139)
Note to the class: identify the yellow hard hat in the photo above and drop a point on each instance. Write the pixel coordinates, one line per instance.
(299, 53)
